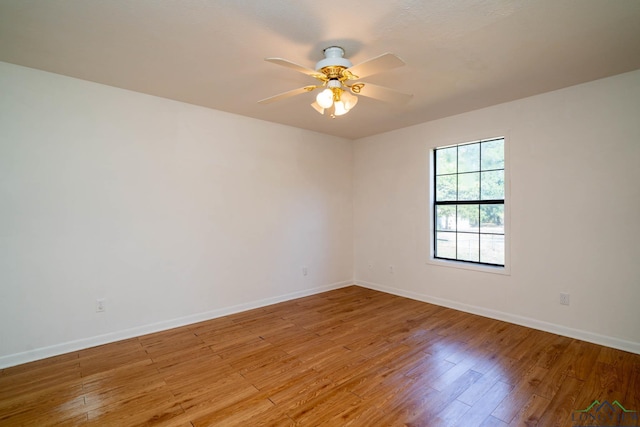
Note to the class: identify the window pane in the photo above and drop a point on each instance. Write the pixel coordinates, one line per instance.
(470, 173)
(446, 187)
(469, 158)
(493, 154)
(469, 186)
(492, 249)
(468, 247)
(492, 185)
(468, 217)
(492, 219)
(445, 245)
(446, 159)
(446, 218)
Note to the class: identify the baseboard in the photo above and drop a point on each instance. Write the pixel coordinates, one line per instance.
(67, 347)
(620, 344)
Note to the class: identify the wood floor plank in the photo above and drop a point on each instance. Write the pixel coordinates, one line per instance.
(530, 413)
(454, 414)
(584, 356)
(434, 401)
(184, 358)
(277, 375)
(482, 408)
(492, 421)
(354, 371)
(56, 406)
(205, 401)
(104, 395)
(562, 404)
(96, 364)
(30, 385)
(348, 357)
(329, 406)
(520, 395)
(41, 367)
(531, 346)
(152, 404)
(453, 374)
(632, 396)
(303, 387)
(478, 389)
(240, 413)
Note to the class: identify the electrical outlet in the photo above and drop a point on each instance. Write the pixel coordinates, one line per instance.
(304, 271)
(370, 265)
(392, 269)
(101, 305)
(564, 298)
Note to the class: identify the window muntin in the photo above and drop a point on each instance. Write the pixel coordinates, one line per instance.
(468, 209)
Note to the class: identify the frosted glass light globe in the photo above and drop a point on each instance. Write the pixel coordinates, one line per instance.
(325, 98)
(349, 100)
(339, 108)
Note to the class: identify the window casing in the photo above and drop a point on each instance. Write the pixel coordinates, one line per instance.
(468, 209)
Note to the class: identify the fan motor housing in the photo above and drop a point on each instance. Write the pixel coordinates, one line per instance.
(333, 60)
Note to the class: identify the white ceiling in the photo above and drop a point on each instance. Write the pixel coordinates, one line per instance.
(461, 55)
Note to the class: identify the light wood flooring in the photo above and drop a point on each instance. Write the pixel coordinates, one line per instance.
(352, 356)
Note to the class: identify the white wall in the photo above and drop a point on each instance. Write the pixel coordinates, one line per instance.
(176, 213)
(171, 212)
(575, 212)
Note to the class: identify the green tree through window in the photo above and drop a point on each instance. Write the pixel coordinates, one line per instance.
(469, 202)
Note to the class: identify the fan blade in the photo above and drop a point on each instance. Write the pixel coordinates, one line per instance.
(317, 107)
(382, 93)
(386, 61)
(288, 94)
(299, 68)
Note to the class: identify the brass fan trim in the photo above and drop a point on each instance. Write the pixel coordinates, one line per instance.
(356, 88)
(336, 72)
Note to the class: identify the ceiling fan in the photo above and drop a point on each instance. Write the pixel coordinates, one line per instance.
(341, 81)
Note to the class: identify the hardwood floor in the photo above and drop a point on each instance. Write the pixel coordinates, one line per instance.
(352, 356)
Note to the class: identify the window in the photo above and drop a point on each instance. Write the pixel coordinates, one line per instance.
(468, 202)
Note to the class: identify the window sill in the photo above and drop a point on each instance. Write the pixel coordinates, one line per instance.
(468, 266)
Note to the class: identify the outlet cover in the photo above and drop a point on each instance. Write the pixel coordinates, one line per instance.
(101, 305)
(564, 298)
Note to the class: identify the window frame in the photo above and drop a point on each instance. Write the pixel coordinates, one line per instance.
(463, 264)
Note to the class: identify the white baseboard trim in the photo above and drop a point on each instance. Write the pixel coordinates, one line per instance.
(67, 347)
(620, 344)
